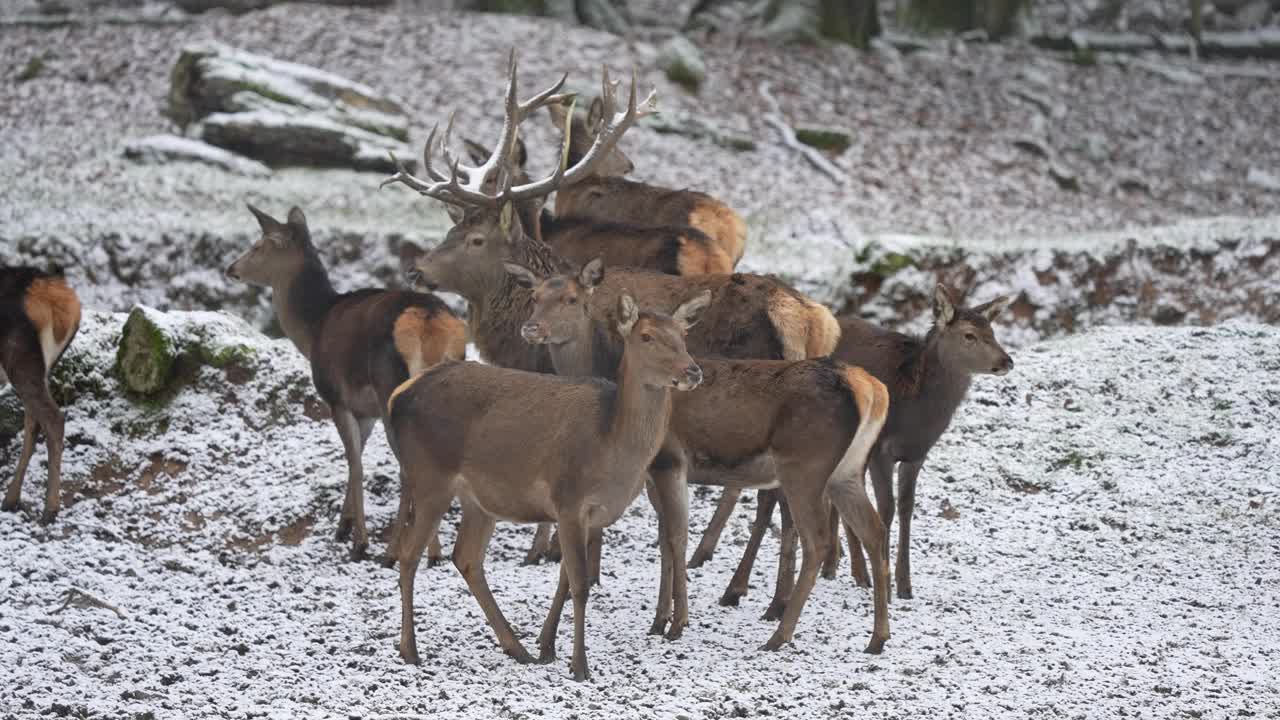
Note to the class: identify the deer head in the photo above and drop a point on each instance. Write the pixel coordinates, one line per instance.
(279, 254)
(559, 303)
(582, 135)
(964, 336)
(654, 343)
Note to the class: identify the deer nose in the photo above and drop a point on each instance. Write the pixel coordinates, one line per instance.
(1005, 366)
(692, 377)
(532, 332)
(231, 272)
(413, 276)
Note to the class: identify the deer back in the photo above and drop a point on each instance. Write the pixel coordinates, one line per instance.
(674, 250)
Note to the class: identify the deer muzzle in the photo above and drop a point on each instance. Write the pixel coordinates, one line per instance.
(1006, 364)
(689, 378)
(231, 271)
(534, 333)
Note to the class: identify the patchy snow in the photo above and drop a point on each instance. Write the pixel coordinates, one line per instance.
(1115, 550)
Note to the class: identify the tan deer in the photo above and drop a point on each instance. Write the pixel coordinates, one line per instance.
(39, 316)
(480, 433)
(361, 344)
(751, 423)
(927, 379)
(608, 196)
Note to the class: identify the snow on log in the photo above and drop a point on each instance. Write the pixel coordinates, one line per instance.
(285, 113)
(153, 344)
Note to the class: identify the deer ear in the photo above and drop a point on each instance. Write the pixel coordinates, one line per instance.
(591, 274)
(456, 212)
(559, 113)
(523, 276)
(504, 219)
(595, 116)
(687, 314)
(944, 310)
(991, 310)
(627, 315)
(477, 152)
(265, 221)
(522, 154)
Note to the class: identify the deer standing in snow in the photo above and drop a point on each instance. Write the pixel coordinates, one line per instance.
(361, 344)
(39, 316)
(806, 427)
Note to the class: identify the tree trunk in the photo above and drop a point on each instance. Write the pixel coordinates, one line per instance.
(1197, 19)
(1000, 17)
(939, 15)
(853, 22)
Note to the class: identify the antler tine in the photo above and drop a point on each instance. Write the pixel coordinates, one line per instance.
(449, 159)
(549, 96)
(426, 156)
(547, 185)
(617, 123)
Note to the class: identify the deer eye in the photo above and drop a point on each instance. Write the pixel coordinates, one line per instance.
(573, 301)
(970, 337)
(477, 241)
(646, 337)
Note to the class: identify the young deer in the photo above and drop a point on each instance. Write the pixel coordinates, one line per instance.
(751, 423)
(466, 430)
(39, 315)
(749, 315)
(671, 249)
(607, 196)
(361, 344)
(927, 380)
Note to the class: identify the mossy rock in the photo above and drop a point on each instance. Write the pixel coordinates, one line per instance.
(153, 344)
(831, 139)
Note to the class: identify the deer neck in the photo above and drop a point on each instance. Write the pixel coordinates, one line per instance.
(640, 417)
(587, 354)
(943, 385)
(301, 302)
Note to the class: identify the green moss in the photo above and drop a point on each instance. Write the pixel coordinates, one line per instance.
(824, 138)
(1084, 56)
(146, 355)
(32, 69)
(221, 357)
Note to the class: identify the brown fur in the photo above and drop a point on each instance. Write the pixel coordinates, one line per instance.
(52, 303)
(423, 339)
(724, 225)
(673, 250)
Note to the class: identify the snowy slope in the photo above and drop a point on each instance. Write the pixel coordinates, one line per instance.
(1115, 550)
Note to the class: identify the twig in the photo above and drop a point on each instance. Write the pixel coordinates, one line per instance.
(815, 158)
(76, 597)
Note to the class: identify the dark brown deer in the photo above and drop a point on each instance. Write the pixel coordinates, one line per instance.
(608, 196)
(361, 344)
(751, 423)
(468, 430)
(927, 379)
(671, 249)
(39, 316)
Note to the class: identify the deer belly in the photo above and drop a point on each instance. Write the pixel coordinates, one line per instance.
(606, 504)
(528, 501)
(757, 472)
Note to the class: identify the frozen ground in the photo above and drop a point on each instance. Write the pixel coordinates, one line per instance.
(1110, 547)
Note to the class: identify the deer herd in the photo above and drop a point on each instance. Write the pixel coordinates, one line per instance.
(621, 352)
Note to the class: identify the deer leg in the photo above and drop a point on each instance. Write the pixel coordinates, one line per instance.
(435, 555)
(595, 541)
(468, 556)
(907, 474)
(850, 498)
(54, 426)
(662, 612)
(553, 545)
(812, 524)
(711, 536)
(14, 495)
(541, 545)
(671, 485)
(786, 566)
(422, 513)
(547, 638)
(882, 480)
(831, 563)
(860, 576)
(40, 411)
(353, 432)
(573, 548)
(765, 501)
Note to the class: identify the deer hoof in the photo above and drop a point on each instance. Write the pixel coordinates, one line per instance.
(676, 632)
(658, 627)
(434, 560)
(775, 642)
(904, 593)
(48, 516)
(699, 559)
(410, 656)
(9, 505)
(521, 655)
(546, 656)
(359, 551)
(774, 612)
(875, 647)
(344, 530)
(580, 671)
(387, 561)
(731, 598)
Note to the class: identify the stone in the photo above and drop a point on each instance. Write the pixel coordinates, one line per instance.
(682, 61)
(158, 149)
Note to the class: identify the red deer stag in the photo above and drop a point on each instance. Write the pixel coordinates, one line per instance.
(927, 379)
(39, 315)
(361, 344)
(471, 431)
(751, 423)
(608, 196)
(675, 250)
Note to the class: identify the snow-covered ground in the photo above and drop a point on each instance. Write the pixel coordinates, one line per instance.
(1115, 551)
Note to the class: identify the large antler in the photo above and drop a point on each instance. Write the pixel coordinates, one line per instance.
(467, 185)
